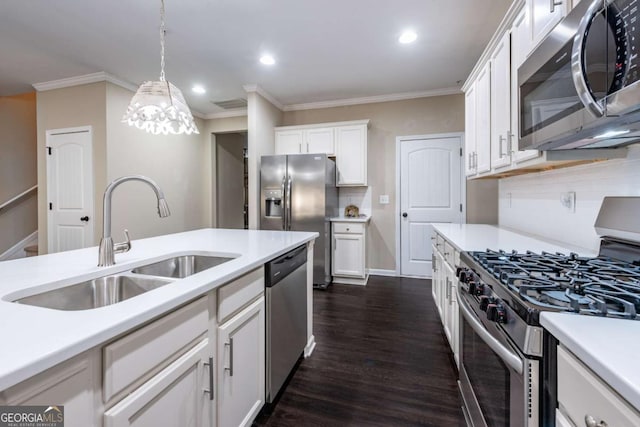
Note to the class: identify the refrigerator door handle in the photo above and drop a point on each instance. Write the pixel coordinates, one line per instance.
(284, 200)
(289, 203)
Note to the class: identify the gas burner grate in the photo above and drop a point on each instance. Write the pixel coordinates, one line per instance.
(598, 286)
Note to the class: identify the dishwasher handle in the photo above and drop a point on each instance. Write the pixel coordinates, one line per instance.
(279, 268)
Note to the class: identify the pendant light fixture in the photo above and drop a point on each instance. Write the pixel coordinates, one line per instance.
(158, 107)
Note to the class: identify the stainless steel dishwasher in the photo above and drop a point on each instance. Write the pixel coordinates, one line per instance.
(286, 293)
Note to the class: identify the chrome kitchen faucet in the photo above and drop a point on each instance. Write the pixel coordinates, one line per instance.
(107, 248)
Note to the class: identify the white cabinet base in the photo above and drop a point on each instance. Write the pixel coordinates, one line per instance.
(351, 280)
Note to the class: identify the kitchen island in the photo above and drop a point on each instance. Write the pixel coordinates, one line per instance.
(36, 339)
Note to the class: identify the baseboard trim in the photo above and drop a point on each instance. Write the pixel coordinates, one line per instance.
(380, 272)
(311, 345)
(17, 251)
(350, 280)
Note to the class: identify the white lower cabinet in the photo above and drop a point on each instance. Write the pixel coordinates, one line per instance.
(241, 367)
(175, 397)
(74, 384)
(444, 283)
(584, 399)
(348, 262)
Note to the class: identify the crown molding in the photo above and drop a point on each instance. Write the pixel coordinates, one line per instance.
(249, 88)
(83, 80)
(373, 99)
(238, 112)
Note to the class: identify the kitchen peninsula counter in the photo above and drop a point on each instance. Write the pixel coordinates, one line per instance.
(35, 338)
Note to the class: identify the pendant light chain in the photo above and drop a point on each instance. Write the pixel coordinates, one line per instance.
(162, 34)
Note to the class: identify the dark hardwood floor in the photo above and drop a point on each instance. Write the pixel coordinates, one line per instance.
(381, 360)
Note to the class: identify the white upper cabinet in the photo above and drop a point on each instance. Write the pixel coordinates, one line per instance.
(501, 103)
(545, 14)
(351, 155)
(470, 130)
(478, 124)
(347, 141)
(289, 141)
(303, 141)
(320, 140)
(483, 120)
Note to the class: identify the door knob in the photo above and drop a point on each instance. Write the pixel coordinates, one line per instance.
(84, 218)
(404, 214)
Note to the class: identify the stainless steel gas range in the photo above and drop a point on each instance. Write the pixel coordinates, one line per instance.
(508, 361)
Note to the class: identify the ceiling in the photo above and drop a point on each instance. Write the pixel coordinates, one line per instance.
(325, 49)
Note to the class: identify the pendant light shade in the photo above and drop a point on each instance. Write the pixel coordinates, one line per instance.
(158, 107)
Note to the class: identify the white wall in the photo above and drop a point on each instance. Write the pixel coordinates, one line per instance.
(535, 198)
(178, 163)
(262, 118)
(359, 196)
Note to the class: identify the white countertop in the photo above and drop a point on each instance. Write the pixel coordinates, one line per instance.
(480, 237)
(34, 339)
(362, 218)
(610, 347)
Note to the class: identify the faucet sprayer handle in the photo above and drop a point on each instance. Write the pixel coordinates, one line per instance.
(124, 246)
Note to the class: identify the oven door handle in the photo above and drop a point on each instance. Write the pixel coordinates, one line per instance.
(511, 359)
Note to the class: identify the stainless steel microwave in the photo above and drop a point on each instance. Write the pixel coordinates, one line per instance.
(580, 88)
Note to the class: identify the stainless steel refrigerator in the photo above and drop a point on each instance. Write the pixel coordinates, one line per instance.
(298, 193)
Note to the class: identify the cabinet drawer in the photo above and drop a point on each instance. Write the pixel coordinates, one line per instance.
(449, 254)
(581, 393)
(439, 243)
(240, 293)
(348, 227)
(152, 347)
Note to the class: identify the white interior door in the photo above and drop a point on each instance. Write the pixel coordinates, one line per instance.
(69, 189)
(430, 191)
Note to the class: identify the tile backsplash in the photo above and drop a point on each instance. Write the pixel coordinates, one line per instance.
(563, 204)
(359, 196)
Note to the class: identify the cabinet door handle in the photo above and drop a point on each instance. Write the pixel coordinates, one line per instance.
(510, 143)
(448, 290)
(502, 140)
(470, 162)
(553, 4)
(210, 392)
(230, 368)
(433, 263)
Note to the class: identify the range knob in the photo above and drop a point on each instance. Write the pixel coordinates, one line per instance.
(485, 301)
(464, 274)
(479, 289)
(496, 313)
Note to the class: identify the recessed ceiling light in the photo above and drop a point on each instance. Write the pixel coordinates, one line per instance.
(267, 60)
(408, 36)
(198, 89)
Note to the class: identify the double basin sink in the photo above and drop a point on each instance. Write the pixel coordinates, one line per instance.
(118, 287)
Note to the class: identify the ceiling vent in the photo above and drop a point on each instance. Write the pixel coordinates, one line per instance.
(231, 104)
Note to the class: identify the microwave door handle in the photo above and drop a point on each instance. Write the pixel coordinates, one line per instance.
(577, 61)
(511, 359)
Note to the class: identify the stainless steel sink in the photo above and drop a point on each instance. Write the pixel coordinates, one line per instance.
(95, 293)
(182, 266)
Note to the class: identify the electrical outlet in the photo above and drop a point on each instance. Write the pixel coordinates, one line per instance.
(384, 199)
(568, 200)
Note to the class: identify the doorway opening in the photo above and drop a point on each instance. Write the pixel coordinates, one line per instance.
(231, 180)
